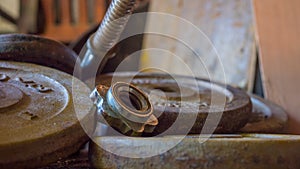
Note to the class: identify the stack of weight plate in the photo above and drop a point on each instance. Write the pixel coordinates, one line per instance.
(47, 115)
(230, 146)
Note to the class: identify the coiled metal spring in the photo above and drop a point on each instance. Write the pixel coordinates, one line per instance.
(113, 24)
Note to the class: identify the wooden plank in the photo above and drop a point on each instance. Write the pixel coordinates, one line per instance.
(49, 13)
(99, 12)
(228, 24)
(66, 31)
(65, 8)
(278, 30)
(83, 16)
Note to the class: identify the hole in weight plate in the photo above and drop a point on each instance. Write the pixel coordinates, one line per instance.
(130, 100)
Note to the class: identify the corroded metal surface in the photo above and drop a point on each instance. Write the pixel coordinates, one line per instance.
(124, 107)
(79, 160)
(236, 111)
(38, 50)
(38, 124)
(9, 95)
(253, 151)
(267, 117)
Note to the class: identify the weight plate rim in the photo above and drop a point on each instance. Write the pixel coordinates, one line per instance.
(54, 128)
(278, 117)
(57, 136)
(145, 75)
(238, 109)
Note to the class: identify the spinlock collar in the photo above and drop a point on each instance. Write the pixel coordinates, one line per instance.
(123, 103)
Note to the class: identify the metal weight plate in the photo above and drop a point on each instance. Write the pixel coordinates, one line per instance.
(236, 111)
(252, 151)
(38, 124)
(267, 117)
(37, 50)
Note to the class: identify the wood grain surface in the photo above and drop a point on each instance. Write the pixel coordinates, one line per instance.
(227, 24)
(67, 30)
(278, 30)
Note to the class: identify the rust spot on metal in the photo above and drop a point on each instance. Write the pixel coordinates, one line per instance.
(238, 24)
(180, 3)
(28, 115)
(216, 15)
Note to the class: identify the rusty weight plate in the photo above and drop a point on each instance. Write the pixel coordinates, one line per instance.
(251, 151)
(267, 117)
(38, 124)
(38, 50)
(236, 111)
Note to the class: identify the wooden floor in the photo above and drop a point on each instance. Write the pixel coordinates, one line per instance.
(278, 30)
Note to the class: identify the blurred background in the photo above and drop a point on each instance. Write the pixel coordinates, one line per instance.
(227, 24)
(257, 40)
